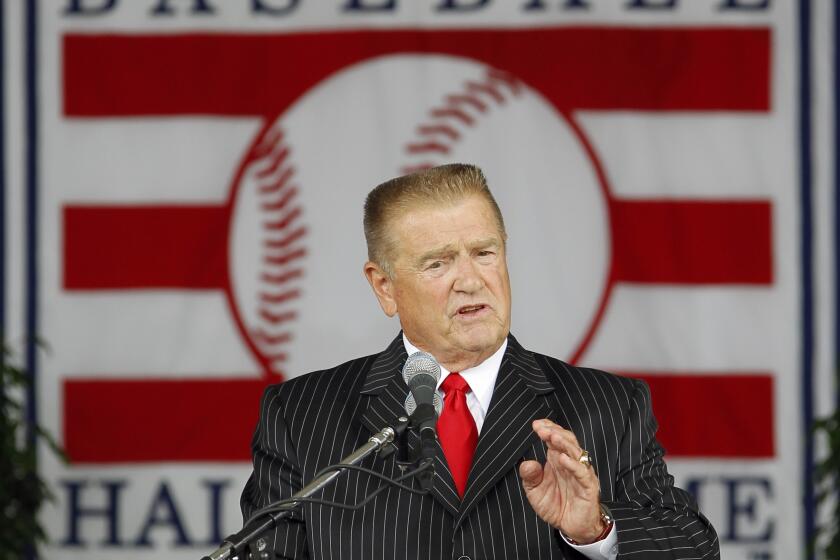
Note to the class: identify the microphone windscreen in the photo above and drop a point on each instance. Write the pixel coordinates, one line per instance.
(411, 404)
(421, 373)
(420, 363)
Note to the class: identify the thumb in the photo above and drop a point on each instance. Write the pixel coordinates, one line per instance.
(531, 473)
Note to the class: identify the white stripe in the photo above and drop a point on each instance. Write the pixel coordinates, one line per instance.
(150, 160)
(686, 155)
(124, 334)
(689, 329)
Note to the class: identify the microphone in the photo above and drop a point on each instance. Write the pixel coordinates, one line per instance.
(421, 373)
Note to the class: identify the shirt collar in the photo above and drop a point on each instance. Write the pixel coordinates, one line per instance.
(481, 378)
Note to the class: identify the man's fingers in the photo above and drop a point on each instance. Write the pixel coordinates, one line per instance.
(558, 439)
(564, 452)
(550, 432)
(566, 463)
(570, 448)
(580, 471)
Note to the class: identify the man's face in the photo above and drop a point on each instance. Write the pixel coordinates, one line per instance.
(450, 283)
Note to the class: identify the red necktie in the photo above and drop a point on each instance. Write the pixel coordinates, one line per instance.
(456, 430)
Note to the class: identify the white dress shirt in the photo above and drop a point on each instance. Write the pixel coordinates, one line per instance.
(482, 380)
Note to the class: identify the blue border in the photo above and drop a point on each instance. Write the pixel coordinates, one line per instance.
(835, 362)
(806, 201)
(31, 181)
(806, 247)
(3, 220)
(835, 145)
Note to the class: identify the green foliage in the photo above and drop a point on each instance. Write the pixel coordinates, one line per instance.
(22, 491)
(827, 480)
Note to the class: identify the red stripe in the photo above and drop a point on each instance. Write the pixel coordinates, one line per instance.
(108, 247)
(128, 421)
(721, 415)
(716, 416)
(574, 67)
(692, 242)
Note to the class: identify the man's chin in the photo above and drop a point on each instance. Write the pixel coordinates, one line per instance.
(486, 342)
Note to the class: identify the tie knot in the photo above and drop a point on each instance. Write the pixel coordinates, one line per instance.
(454, 382)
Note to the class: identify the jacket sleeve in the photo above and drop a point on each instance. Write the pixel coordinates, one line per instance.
(276, 476)
(654, 518)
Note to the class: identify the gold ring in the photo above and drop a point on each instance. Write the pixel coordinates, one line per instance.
(585, 458)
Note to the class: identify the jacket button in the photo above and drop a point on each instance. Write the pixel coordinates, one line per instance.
(464, 558)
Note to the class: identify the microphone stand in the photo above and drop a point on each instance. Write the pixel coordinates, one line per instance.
(236, 543)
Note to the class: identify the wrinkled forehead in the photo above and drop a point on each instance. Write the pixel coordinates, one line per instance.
(437, 228)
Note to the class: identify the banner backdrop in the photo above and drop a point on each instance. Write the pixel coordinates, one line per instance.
(193, 174)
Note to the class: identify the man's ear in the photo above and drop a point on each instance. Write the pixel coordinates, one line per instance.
(383, 287)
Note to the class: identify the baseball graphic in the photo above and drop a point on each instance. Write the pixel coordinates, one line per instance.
(299, 187)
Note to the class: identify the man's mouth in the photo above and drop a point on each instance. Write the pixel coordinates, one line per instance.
(471, 309)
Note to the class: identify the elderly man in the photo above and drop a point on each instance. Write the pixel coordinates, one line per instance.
(537, 458)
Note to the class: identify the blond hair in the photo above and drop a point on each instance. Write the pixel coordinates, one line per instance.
(445, 184)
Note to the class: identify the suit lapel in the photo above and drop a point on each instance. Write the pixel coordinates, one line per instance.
(385, 388)
(386, 392)
(518, 400)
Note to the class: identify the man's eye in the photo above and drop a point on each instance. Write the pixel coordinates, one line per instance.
(435, 264)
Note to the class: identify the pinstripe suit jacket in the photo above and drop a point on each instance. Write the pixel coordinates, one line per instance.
(313, 421)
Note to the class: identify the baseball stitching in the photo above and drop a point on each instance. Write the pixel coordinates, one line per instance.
(281, 248)
(446, 124)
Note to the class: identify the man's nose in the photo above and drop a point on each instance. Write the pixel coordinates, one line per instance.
(468, 278)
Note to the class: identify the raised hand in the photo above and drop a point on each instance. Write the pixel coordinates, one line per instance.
(564, 492)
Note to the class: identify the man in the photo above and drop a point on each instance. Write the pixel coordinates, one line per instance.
(538, 459)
